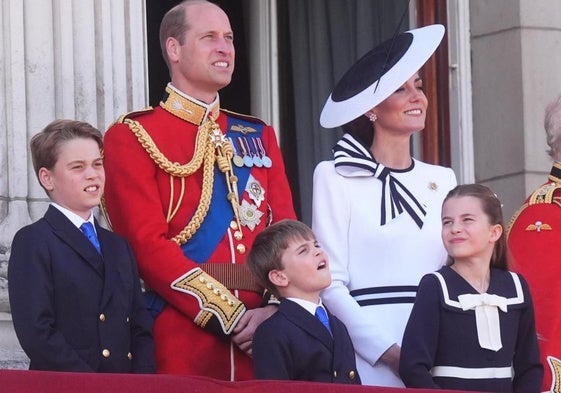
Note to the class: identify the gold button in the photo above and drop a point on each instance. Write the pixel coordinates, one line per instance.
(106, 353)
(240, 248)
(238, 235)
(102, 317)
(129, 355)
(335, 374)
(234, 225)
(351, 374)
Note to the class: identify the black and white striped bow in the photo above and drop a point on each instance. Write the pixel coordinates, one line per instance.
(352, 159)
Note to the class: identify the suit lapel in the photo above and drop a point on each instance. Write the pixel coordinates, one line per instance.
(306, 321)
(112, 280)
(69, 234)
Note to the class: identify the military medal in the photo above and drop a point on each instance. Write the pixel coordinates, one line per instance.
(247, 161)
(267, 162)
(256, 160)
(249, 215)
(237, 159)
(255, 191)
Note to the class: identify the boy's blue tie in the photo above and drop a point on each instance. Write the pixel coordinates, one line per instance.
(89, 231)
(323, 318)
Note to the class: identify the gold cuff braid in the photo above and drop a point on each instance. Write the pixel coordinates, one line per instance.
(213, 298)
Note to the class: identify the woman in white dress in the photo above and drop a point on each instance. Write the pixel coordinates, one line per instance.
(376, 209)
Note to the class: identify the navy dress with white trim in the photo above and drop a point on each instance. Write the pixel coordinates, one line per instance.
(441, 346)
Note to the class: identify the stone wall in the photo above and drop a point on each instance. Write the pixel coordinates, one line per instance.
(515, 73)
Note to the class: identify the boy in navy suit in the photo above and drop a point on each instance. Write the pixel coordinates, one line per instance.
(74, 287)
(302, 340)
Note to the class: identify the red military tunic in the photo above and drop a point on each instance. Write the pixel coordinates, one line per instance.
(149, 203)
(534, 240)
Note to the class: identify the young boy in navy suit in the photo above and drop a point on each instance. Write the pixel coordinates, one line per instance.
(75, 293)
(302, 340)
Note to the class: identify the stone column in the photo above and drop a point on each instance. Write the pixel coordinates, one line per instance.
(515, 73)
(76, 59)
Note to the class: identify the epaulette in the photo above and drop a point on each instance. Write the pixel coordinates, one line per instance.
(133, 114)
(546, 194)
(242, 116)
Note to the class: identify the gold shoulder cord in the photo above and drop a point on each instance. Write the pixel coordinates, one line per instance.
(210, 146)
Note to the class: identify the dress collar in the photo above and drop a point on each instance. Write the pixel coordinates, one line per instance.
(189, 108)
(352, 159)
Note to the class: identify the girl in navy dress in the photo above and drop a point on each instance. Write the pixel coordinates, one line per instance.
(472, 324)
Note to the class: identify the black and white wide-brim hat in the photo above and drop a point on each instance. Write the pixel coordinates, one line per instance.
(379, 73)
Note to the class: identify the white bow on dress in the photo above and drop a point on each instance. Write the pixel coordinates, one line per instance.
(486, 317)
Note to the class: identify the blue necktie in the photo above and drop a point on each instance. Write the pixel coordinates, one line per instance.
(323, 318)
(89, 231)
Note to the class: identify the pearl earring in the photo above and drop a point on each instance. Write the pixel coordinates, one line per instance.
(372, 117)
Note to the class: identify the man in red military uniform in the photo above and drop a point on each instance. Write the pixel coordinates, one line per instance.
(534, 238)
(190, 186)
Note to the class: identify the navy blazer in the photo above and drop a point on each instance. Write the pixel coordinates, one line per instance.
(293, 344)
(73, 309)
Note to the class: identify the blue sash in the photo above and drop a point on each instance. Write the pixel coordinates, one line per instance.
(203, 243)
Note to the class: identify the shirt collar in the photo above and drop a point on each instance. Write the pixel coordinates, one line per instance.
(73, 217)
(309, 306)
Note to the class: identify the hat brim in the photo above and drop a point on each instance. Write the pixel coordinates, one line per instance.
(424, 42)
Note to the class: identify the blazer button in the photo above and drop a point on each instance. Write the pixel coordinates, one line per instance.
(102, 317)
(335, 374)
(128, 319)
(106, 353)
(129, 355)
(352, 374)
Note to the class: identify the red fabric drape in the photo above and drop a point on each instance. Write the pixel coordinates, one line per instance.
(23, 381)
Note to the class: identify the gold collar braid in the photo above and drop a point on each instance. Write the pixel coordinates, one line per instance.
(210, 146)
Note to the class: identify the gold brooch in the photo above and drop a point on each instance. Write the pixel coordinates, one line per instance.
(433, 186)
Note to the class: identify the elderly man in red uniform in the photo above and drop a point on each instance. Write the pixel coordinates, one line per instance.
(190, 185)
(534, 238)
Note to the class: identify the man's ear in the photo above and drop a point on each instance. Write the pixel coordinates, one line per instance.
(278, 278)
(45, 179)
(172, 49)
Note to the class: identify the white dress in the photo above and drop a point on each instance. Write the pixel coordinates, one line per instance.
(376, 268)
